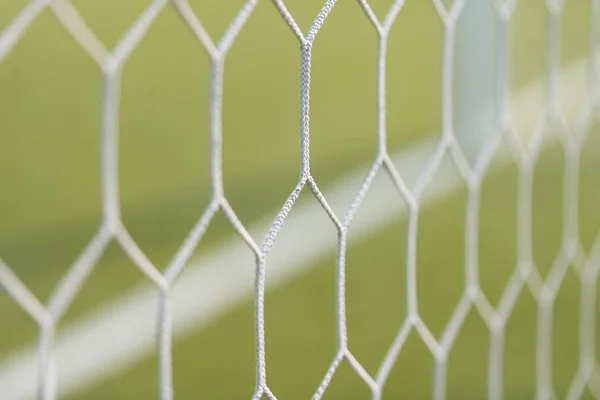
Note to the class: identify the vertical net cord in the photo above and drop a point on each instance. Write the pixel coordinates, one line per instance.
(109, 159)
(259, 312)
(546, 299)
(589, 273)
(589, 277)
(164, 344)
(496, 345)
(587, 322)
(381, 93)
(341, 325)
(46, 371)
(594, 48)
(439, 379)
(216, 127)
(381, 127)
(305, 65)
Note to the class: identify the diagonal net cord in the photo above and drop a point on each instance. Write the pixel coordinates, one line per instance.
(526, 274)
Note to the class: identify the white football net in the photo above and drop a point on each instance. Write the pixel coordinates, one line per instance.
(525, 277)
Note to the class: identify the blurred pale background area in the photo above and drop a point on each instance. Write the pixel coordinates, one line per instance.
(50, 197)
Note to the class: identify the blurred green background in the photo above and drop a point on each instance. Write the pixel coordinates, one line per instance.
(50, 98)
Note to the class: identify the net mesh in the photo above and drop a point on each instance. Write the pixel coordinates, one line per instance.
(526, 276)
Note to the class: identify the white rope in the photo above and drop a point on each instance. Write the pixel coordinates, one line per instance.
(60, 359)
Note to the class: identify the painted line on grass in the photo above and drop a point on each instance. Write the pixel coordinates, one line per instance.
(113, 338)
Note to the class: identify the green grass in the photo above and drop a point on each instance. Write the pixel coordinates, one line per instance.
(49, 169)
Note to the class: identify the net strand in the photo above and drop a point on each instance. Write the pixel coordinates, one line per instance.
(525, 277)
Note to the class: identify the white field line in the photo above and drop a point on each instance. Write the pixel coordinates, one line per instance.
(117, 335)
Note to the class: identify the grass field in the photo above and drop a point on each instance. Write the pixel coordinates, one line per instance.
(50, 101)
